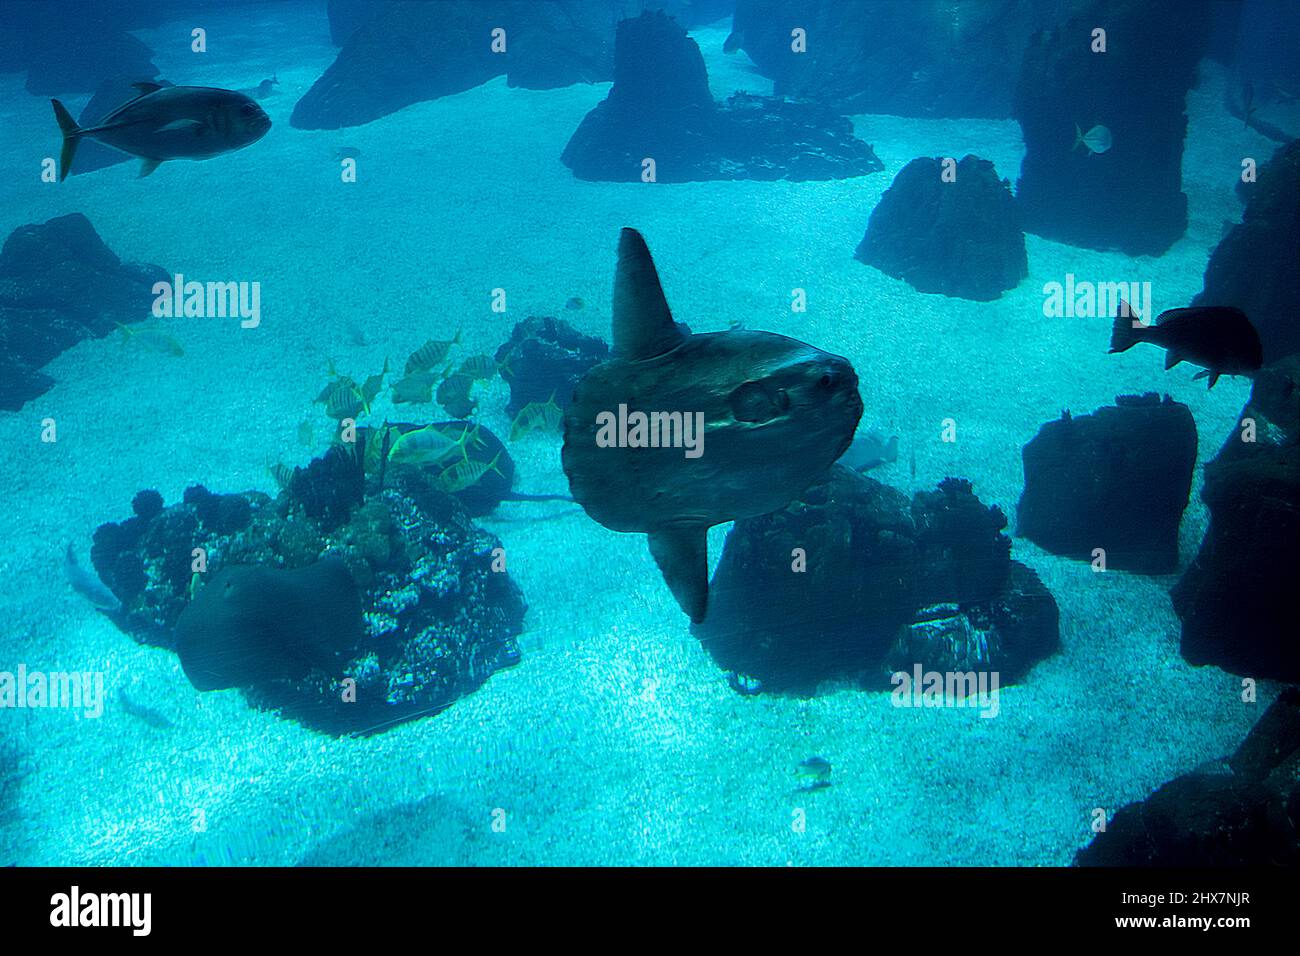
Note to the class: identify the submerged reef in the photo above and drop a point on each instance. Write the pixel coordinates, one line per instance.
(382, 69)
(1256, 267)
(60, 284)
(955, 231)
(1237, 598)
(940, 58)
(1242, 811)
(544, 359)
(1122, 190)
(660, 109)
(841, 584)
(1117, 479)
(433, 619)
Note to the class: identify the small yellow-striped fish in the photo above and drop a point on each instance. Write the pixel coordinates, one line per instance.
(481, 368)
(415, 389)
(537, 416)
(432, 353)
(465, 474)
(152, 338)
(425, 446)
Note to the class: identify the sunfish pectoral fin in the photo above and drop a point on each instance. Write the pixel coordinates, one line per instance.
(643, 325)
(147, 166)
(683, 556)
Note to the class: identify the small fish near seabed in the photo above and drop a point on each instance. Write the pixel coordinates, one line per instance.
(264, 89)
(575, 304)
(870, 449)
(813, 774)
(1096, 140)
(776, 412)
(153, 338)
(1219, 338)
(169, 122)
(87, 584)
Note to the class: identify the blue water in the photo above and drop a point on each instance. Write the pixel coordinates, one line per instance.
(616, 738)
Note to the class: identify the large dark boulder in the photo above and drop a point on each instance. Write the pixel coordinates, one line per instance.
(1117, 479)
(660, 108)
(1237, 599)
(405, 52)
(65, 51)
(1128, 197)
(543, 360)
(960, 237)
(1257, 265)
(902, 57)
(60, 284)
(828, 587)
(436, 619)
(1243, 811)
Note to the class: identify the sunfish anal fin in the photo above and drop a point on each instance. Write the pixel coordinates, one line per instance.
(1212, 375)
(683, 556)
(643, 325)
(1172, 358)
(147, 166)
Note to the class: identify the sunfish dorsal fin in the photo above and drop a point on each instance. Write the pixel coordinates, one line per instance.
(643, 326)
(683, 556)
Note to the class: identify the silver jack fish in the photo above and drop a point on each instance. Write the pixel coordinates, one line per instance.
(169, 122)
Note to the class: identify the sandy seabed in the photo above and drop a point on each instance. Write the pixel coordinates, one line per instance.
(616, 740)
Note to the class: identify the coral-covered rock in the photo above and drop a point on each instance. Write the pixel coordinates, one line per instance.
(1257, 265)
(957, 236)
(1129, 196)
(546, 357)
(1242, 811)
(405, 52)
(436, 619)
(825, 588)
(60, 284)
(1237, 599)
(660, 109)
(1117, 479)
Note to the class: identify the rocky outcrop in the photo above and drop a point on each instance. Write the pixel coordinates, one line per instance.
(60, 284)
(1129, 196)
(1117, 479)
(406, 52)
(437, 620)
(544, 359)
(660, 109)
(1242, 811)
(1257, 265)
(64, 52)
(830, 587)
(902, 57)
(950, 229)
(1237, 599)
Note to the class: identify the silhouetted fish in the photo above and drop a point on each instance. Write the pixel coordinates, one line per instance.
(169, 122)
(870, 449)
(1096, 140)
(776, 412)
(1219, 338)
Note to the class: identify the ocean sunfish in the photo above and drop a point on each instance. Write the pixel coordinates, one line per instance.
(679, 432)
(169, 122)
(1219, 338)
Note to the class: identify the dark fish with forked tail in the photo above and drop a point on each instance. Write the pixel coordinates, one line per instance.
(1219, 338)
(870, 449)
(169, 122)
(710, 427)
